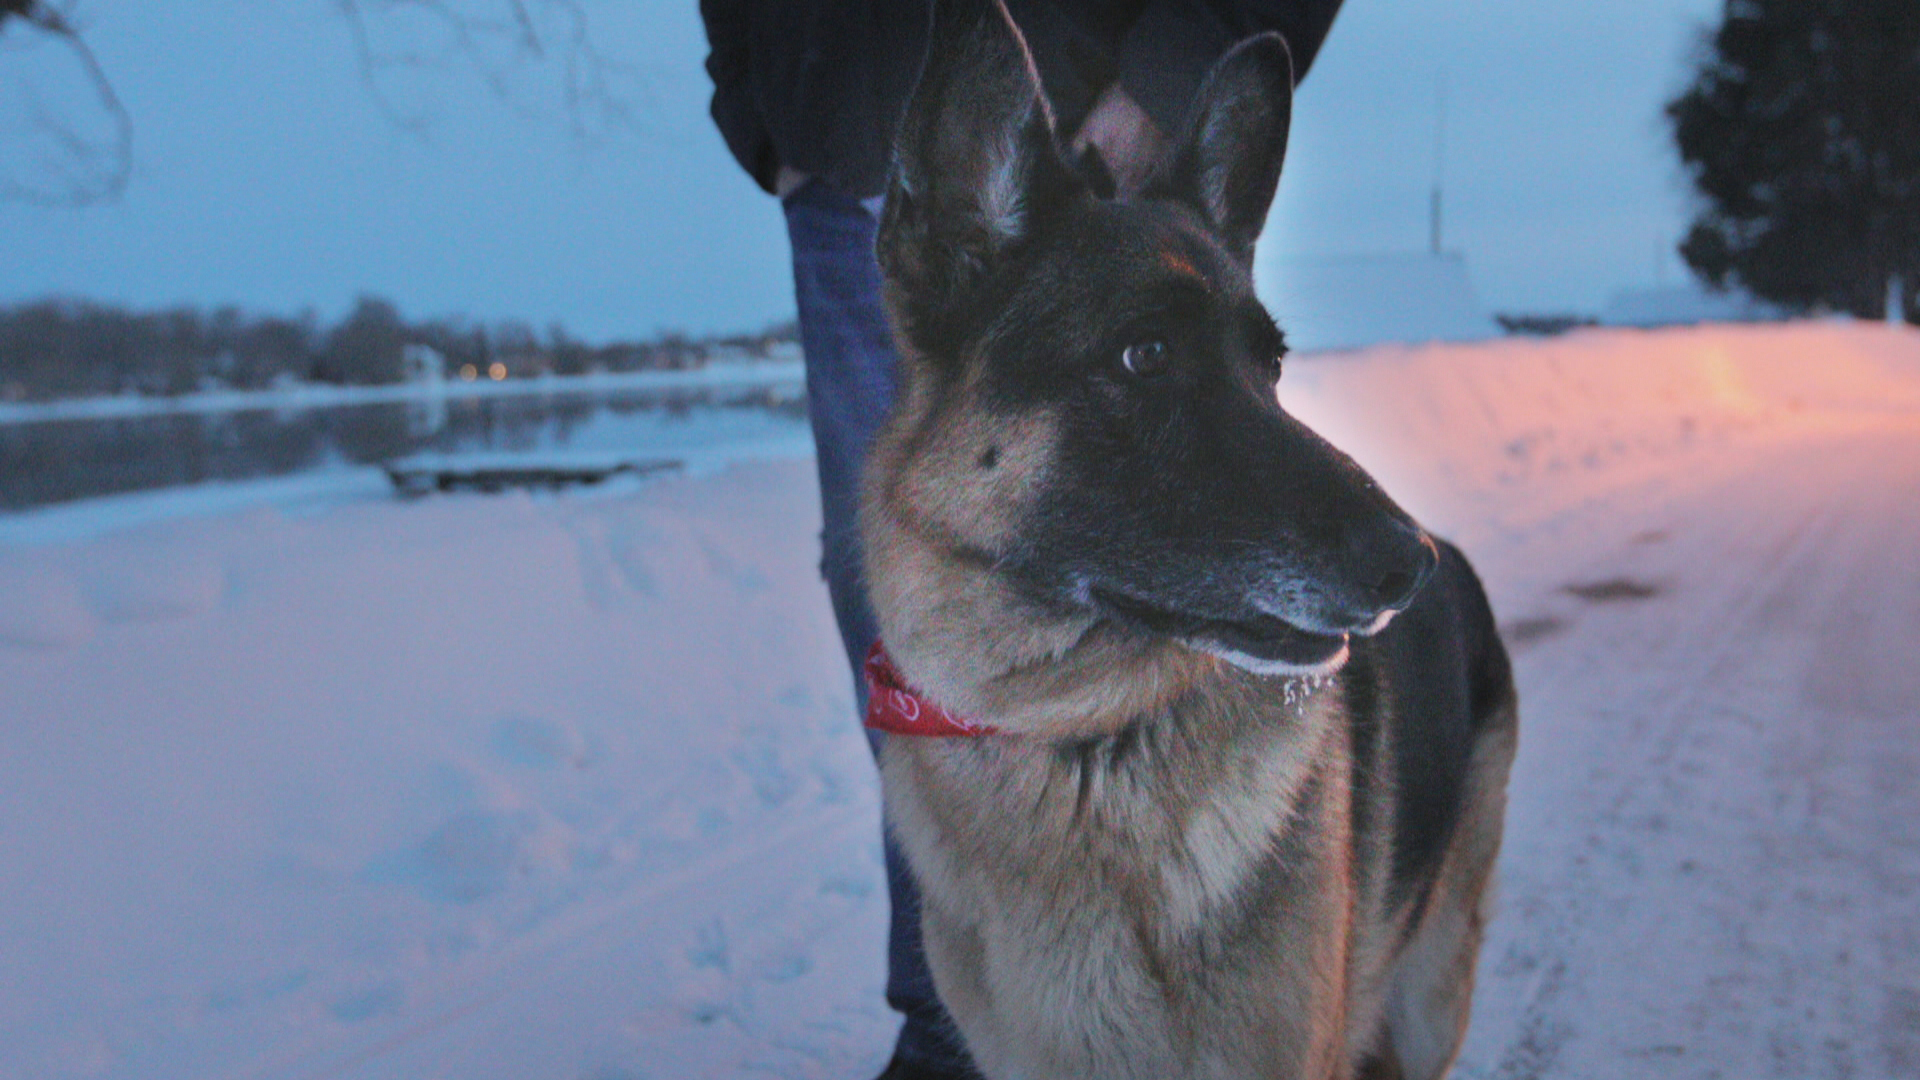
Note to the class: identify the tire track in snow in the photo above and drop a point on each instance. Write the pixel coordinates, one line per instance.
(1703, 690)
(1553, 915)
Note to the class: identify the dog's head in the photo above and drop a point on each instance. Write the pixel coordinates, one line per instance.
(1087, 405)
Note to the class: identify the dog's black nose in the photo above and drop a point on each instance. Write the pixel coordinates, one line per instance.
(1399, 566)
(1394, 590)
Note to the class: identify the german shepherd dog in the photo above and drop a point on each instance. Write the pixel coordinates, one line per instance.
(1251, 726)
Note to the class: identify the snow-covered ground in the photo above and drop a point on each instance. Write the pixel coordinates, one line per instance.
(303, 782)
(719, 375)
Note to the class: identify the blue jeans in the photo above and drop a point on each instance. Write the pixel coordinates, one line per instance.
(850, 382)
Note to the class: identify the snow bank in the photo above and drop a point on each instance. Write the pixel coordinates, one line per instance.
(1454, 431)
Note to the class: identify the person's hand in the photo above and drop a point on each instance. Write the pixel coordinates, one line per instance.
(1129, 143)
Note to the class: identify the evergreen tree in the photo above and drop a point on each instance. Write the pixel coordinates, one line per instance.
(1802, 132)
(366, 347)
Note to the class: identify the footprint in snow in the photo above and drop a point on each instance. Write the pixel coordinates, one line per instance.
(529, 740)
(773, 783)
(744, 577)
(367, 1004)
(475, 855)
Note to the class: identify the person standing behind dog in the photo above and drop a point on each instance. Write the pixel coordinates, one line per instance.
(807, 94)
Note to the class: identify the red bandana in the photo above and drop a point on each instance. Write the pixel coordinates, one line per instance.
(895, 708)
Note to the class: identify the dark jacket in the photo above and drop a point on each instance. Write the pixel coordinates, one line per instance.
(819, 85)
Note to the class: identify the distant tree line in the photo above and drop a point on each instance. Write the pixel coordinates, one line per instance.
(58, 348)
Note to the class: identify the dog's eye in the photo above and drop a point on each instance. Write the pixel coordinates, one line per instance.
(1145, 358)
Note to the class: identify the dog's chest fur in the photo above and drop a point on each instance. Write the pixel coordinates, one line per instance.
(1141, 904)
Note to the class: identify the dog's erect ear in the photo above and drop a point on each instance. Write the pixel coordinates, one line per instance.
(1227, 162)
(975, 160)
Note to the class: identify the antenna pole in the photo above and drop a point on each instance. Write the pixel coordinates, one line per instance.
(1439, 160)
(1434, 214)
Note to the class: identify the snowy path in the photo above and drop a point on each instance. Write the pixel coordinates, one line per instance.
(1712, 866)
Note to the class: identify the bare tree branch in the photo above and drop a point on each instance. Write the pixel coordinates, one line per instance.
(75, 148)
(505, 44)
(73, 169)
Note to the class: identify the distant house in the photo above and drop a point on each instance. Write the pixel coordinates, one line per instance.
(422, 365)
(1350, 302)
(1686, 305)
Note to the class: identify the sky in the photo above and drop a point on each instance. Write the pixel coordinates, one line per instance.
(269, 171)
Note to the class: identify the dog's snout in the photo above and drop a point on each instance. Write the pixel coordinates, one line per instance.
(1388, 564)
(1396, 586)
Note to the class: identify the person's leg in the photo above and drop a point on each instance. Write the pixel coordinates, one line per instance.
(850, 370)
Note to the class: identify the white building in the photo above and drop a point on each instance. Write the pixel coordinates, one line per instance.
(422, 365)
(1350, 302)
